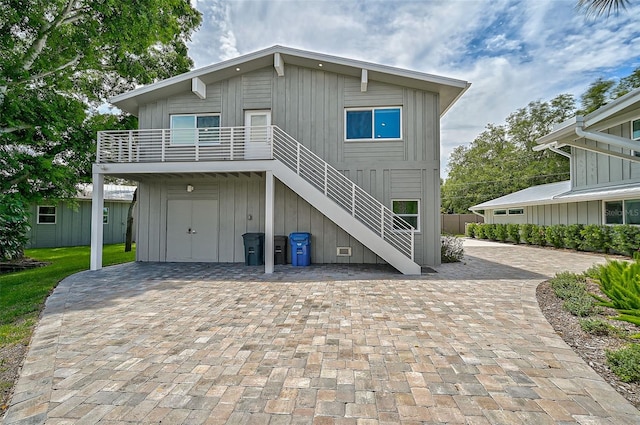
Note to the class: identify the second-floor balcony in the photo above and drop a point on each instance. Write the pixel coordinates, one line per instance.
(185, 145)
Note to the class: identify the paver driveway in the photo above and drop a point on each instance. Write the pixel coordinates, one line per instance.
(198, 343)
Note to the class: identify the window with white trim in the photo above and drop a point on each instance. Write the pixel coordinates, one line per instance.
(46, 214)
(516, 211)
(366, 124)
(409, 210)
(105, 215)
(635, 134)
(201, 128)
(622, 212)
(499, 212)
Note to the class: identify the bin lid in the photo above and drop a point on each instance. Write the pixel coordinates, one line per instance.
(253, 235)
(300, 236)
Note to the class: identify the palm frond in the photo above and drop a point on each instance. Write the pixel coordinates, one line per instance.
(602, 7)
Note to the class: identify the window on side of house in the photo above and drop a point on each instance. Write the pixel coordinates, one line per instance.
(46, 214)
(202, 129)
(632, 211)
(105, 215)
(516, 211)
(499, 212)
(614, 212)
(366, 124)
(407, 209)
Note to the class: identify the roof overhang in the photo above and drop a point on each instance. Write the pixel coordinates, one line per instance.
(573, 131)
(448, 89)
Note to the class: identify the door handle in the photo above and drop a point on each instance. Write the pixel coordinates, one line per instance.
(191, 231)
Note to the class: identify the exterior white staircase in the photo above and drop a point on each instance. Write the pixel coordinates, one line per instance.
(350, 207)
(325, 188)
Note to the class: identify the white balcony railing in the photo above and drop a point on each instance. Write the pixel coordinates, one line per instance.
(266, 142)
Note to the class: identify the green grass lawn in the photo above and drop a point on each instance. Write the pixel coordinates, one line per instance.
(22, 294)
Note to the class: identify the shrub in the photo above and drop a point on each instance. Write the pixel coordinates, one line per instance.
(566, 285)
(625, 239)
(554, 235)
(625, 363)
(479, 231)
(595, 238)
(490, 231)
(470, 230)
(14, 224)
(513, 230)
(451, 250)
(580, 305)
(593, 272)
(537, 236)
(620, 282)
(572, 236)
(500, 232)
(599, 327)
(527, 233)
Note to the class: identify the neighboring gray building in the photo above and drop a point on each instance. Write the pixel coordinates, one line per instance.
(282, 141)
(605, 173)
(56, 224)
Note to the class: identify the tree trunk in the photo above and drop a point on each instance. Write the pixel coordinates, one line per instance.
(129, 237)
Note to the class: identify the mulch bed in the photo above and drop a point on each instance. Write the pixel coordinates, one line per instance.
(590, 347)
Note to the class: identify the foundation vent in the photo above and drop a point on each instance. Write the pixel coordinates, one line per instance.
(343, 251)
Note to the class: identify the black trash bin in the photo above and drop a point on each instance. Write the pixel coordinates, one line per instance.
(279, 250)
(300, 248)
(253, 249)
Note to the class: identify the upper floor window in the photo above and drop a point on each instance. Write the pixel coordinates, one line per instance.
(622, 212)
(635, 129)
(409, 210)
(105, 215)
(200, 128)
(46, 214)
(373, 124)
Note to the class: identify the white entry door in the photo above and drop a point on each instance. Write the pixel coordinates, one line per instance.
(192, 230)
(257, 123)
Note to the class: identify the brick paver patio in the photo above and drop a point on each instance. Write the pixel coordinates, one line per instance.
(205, 343)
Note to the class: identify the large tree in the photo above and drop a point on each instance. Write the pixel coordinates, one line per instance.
(501, 160)
(60, 58)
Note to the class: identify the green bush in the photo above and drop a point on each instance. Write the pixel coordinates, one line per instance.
(620, 282)
(490, 231)
(14, 224)
(554, 235)
(567, 285)
(572, 236)
(581, 305)
(595, 238)
(451, 250)
(599, 327)
(593, 272)
(625, 363)
(479, 231)
(538, 235)
(513, 230)
(470, 230)
(527, 232)
(625, 239)
(500, 232)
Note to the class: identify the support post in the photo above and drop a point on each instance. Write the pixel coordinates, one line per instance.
(268, 222)
(97, 205)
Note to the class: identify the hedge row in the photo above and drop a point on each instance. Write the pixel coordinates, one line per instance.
(621, 239)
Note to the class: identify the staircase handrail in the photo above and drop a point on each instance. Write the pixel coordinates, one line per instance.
(340, 189)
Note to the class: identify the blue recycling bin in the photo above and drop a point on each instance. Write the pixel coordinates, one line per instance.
(300, 248)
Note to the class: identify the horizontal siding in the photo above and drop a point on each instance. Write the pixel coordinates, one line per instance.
(373, 151)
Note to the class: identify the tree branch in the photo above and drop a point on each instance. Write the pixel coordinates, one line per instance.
(41, 41)
(60, 68)
(7, 130)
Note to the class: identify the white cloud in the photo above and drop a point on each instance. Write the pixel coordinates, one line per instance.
(512, 51)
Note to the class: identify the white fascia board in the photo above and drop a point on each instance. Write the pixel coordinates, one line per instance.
(612, 108)
(183, 167)
(559, 132)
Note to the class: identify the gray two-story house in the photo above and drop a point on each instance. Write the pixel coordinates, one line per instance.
(280, 141)
(603, 149)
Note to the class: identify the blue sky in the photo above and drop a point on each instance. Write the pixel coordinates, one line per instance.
(512, 52)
